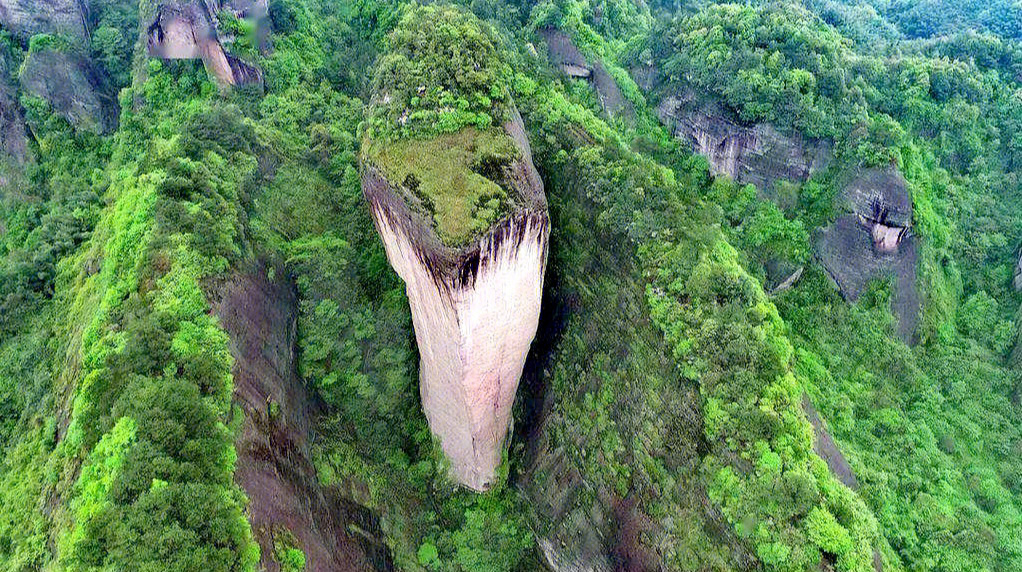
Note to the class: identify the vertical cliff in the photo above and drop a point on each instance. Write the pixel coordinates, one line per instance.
(274, 462)
(475, 308)
(748, 153)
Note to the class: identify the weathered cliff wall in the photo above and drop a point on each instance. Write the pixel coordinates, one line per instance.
(756, 153)
(75, 87)
(13, 137)
(28, 17)
(274, 465)
(475, 311)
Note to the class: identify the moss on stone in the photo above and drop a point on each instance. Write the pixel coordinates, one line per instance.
(459, 177)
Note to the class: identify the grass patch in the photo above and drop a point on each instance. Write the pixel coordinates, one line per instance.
(458, 176)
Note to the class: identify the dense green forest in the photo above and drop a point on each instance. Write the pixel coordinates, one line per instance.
(696, 350)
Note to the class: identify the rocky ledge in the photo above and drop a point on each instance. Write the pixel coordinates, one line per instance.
(748, 153)
(475, 308)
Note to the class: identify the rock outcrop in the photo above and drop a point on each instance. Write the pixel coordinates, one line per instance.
(1017, 281)
(187, 31)
(873, 240)
(475, 308)
(76, 88)
(274, 462)
(13, 137)
(25, 18)
(564, 54)
(757, 153)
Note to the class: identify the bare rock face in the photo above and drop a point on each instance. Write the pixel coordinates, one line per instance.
(75, 88)
(475, 309)
(1018, 273)
(28, 17)
(564, 54)
(873, 241)
(274, 463)
(187, 30)
(13, 137)
(757, 153)
(882, 202)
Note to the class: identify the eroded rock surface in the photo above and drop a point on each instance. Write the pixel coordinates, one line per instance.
(1018, 273)
(274, 466)
(13, 137)
(757, 153)
(76, 88)
(475, 309)
(873, 241)
(827, 449)
(187, 30)
(564, 54)
(28, 17)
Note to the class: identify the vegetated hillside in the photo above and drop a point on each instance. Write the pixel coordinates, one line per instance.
(206, 362)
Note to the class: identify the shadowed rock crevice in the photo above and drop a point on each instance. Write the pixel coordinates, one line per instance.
(274, 465)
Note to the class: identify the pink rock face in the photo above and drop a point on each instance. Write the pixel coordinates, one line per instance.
(475, 310)
(185, 31)
(886, 238)
(473, 339)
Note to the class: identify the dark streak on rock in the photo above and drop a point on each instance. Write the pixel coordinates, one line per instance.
(457, 268)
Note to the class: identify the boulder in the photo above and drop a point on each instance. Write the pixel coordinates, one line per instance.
(26, 18)
(187, 30)
(883, 204)
(564, 54)
(873, 240)
(475, 307)
(747, 153)
(75, 88)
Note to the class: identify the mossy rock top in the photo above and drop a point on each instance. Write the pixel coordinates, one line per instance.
(460, 178)
(438, 122)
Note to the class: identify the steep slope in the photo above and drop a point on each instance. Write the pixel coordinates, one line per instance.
(274, 462)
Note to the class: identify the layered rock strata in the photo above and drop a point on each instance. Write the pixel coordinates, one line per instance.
(187, 31)
(873, 240)
(475, 309)
(571, 61)
(758, 153)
